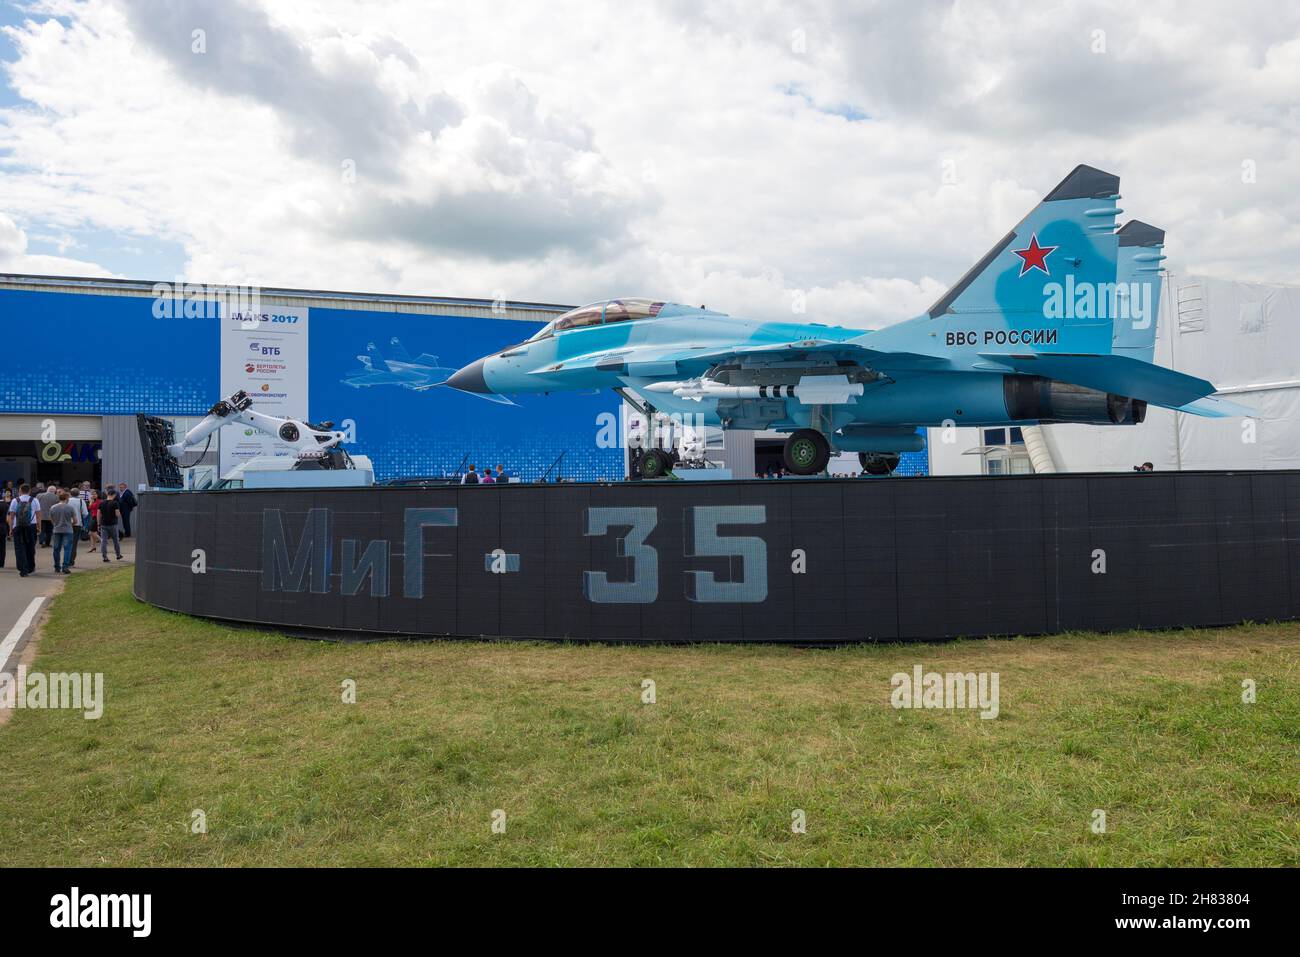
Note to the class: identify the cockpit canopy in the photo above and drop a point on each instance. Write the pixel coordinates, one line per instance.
(611, 310)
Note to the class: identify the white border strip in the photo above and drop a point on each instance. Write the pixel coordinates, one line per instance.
(16, 632)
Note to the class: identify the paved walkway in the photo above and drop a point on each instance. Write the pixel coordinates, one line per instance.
(23, 600)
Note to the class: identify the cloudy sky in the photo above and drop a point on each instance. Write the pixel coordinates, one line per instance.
(734, 153)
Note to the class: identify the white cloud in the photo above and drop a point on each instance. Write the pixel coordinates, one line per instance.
(15, 258)
(732, 153)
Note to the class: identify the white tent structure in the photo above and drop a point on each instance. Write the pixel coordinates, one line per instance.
(1242, 336)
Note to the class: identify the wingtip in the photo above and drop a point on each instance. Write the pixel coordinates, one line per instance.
(1215, 407)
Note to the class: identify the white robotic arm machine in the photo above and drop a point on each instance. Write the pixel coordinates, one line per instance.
(311, 443)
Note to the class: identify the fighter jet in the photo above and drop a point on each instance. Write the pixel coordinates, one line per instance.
(398, 368)
(1056, 323)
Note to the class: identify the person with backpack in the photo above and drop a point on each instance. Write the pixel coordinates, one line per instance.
(24, 520)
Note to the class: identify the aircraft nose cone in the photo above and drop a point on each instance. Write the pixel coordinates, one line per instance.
(470, 378)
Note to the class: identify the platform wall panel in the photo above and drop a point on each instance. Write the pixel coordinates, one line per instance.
(806, 561)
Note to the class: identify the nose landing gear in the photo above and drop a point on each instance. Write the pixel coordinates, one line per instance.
(654, 463)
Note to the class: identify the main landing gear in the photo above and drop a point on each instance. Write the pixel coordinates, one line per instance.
(806, 452)
(878, 463)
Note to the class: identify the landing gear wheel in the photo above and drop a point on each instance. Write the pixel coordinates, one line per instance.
(878, 463)
(655, 463)
(806, 452)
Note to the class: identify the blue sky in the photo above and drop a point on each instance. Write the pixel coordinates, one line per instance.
(9, 16)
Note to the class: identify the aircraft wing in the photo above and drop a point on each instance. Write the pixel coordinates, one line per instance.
(654, 362)
(881, 360)
(362, 379)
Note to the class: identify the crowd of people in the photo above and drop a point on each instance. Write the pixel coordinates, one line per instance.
(62, 519)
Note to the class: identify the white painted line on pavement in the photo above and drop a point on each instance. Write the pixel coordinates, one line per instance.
(16, 632)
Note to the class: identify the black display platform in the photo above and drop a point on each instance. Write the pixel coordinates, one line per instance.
(808, 561)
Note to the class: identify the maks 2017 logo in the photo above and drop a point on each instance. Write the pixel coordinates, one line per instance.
(251, 320)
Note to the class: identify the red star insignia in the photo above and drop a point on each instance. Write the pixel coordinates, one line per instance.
(1034, 256)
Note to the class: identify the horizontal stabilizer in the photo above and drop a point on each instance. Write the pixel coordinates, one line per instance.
(1121, 375)
(1213, 407)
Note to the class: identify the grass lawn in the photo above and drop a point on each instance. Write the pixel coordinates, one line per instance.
(250, 727)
